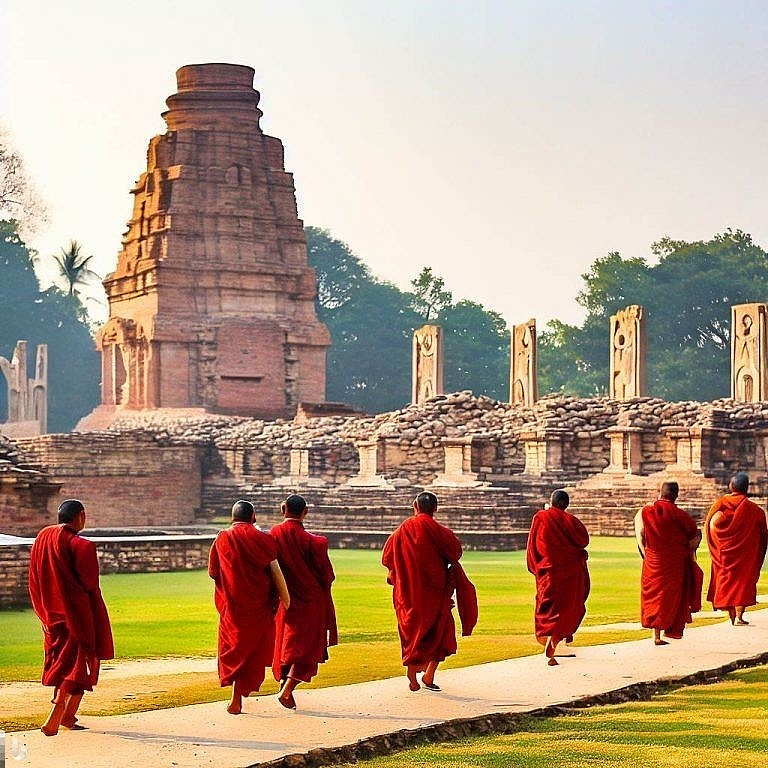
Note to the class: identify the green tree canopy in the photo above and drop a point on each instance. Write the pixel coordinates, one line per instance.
(46, 317)
(372, 323)
(687, 295)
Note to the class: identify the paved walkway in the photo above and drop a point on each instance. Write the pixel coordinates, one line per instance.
(205, 735)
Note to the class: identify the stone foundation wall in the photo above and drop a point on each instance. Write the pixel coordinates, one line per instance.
(139, 554)
(123, 479)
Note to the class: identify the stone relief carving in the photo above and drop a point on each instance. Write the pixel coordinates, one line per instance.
(427, 363)
(628, 373)
(523, 385)
(748, 353)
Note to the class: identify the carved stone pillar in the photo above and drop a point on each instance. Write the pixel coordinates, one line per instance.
(523, 388)
(626, 451)
(458, 464)
(368, 476)
(628, 354)
(299, 466)
(427, 363)
(749, 352)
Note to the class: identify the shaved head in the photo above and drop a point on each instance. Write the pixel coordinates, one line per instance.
(560, 500)
(669, 490)
(740, 482)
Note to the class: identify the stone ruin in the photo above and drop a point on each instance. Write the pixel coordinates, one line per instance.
(749, 371)
(211, 304)
(628, 353)
(27, 398)
(427, 363)
(523, 387)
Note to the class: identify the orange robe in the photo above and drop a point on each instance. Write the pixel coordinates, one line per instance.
(417, 556)
(557, 557)
(245, 599)
(304, 632)
(65, 593)
(737, 544)
(670, 583)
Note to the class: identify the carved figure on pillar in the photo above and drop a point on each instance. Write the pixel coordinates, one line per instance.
(523, 385)
(427, 362)
(628, 353)
(211, 303)
(749, 368)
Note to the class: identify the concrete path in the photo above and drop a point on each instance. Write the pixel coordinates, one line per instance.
(205, 735)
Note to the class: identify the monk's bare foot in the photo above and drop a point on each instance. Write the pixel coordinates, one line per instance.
(74, 727)
(287, 701)
(48, 731)
(741, 623)
(552, 662)
(549, 650)
(234, 709)
(413, 685)
(430, 686)
(659, 641)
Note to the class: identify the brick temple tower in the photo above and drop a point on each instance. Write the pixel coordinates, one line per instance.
(212, 302)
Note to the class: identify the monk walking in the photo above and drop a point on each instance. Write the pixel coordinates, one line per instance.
(737, 534)
(422, 558)
(557, 557)
(304, 630)
(64, 587)
(243, 564)
(671, 580)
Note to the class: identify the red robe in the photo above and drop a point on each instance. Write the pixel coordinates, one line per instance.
(304, 632)
(557, 557)
(245, 599)
(737, 544)
(417, 556)
(670, 583)
(65, 593)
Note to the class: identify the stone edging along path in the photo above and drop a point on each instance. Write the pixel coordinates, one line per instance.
(500, 722)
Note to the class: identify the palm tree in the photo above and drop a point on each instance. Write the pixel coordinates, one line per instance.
(73, 267)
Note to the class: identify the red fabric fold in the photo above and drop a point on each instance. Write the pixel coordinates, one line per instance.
(737, 536)
(304, 632)
(557, 557)
(65, 593)
(245, 598)
(671, 581)
(417, 556)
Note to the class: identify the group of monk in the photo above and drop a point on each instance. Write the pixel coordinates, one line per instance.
(273, 590)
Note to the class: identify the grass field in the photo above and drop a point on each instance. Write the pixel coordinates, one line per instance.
(722, 725)
(172, 615)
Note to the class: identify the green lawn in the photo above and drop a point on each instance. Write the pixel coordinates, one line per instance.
(172, 614)
(722, 725)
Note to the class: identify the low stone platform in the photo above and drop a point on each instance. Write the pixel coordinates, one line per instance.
(349, 722)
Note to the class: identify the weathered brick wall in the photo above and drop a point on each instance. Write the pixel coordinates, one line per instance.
(123, 479)
(145, 554)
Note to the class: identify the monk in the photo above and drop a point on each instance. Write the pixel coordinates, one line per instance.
(77, 636)
(422, 559)
(243, 564)
(671, 580)
(557, 557)
(737, 535)
(307, 628)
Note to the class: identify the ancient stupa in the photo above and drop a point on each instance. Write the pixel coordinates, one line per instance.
(212, 301)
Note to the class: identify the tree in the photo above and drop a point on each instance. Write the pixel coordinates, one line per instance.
(372, 322)
(18, 199)
(49, 317)
(687, 295)
(429, 295)
(476, 343)
(73, 267)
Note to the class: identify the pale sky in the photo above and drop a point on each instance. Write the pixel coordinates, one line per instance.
(505, 144)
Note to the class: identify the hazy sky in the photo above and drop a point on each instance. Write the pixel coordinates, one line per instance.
(505, 144)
